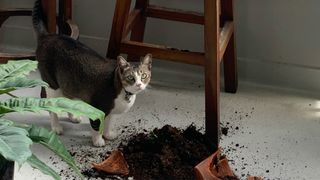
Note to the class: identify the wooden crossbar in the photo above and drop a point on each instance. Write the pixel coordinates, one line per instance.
(173, 54)
(174, 14)
(162, 52)
(224, 38)
(4, 57)
(15, 12)
(132, 19)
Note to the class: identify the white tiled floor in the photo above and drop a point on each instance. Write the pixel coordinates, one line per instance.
(273, 132)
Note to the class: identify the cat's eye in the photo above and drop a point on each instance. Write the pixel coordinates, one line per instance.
(130, 78)
(144, 75)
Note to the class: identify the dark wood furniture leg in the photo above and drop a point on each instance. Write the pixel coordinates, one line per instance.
(118, 26)
(49, 7)
(212, 69)
(230, 60)
(138, 27)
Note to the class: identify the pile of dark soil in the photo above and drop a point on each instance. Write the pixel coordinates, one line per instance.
(166, 153)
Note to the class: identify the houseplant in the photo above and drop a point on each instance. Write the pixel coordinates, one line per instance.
(16, 138)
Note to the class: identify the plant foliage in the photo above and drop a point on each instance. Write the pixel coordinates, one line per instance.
(16, 138)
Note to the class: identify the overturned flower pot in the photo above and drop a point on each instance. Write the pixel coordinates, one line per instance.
(166, 153)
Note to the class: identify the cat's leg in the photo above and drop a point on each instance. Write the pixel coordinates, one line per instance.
(74, 119)
(97, 139)
(109, 132)
(55, 125)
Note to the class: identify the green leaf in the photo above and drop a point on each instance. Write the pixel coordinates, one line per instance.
(45, 169)
(48, 139)
(14, 144)
(12, 84)
(52, 142)
(56, 105)
(16, 69)
(6, 122)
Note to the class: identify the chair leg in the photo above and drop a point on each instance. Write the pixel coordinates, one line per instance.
(230, 60)
(65, 14)
(138, 28)
(212, 70)
(49, 7)
(119, 21)
(230, 67)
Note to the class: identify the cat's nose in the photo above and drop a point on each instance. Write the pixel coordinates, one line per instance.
(139, 85)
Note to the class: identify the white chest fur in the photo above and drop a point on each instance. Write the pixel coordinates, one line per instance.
(121, 104)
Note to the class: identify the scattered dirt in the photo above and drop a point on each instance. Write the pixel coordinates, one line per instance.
(234, 127)
(224, 130)
(166, 153)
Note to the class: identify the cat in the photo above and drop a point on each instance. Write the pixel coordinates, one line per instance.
(75, 71)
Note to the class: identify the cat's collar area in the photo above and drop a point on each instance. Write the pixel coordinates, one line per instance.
(128, 95)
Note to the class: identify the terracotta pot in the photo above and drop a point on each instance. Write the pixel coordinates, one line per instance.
(213, 168)
(114, 164)
(216, 167)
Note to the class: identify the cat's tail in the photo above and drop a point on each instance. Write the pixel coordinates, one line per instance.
(38, 19)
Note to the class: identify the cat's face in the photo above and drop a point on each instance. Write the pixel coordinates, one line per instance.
(135, 78)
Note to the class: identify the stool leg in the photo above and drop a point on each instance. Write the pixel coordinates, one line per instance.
(230, 58)
(49, 7)
(230, 67)
(138, 28)
(119, 21)
(212, 69)
(65, 13)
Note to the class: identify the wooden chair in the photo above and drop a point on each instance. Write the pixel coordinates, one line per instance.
(219, 41)
(63, 20)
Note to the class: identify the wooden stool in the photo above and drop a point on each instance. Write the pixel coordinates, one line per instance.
(63, 19)
(219, 41)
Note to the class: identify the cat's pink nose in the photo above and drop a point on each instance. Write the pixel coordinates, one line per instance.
(139, 85)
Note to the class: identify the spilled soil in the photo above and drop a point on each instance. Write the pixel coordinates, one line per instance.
(166, 153)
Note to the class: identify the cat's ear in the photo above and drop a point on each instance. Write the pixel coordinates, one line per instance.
(147, 61)
(122, 63)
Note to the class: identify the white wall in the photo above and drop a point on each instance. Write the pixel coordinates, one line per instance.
(278, 41)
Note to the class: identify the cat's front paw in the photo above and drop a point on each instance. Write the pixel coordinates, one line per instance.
(74, 119)
(110, 135)
(98, 141)
(57, 129)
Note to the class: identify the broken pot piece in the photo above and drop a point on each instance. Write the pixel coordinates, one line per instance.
(215, 167)
(114, 164)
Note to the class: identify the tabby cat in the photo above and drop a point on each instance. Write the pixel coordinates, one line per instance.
(75, 71)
